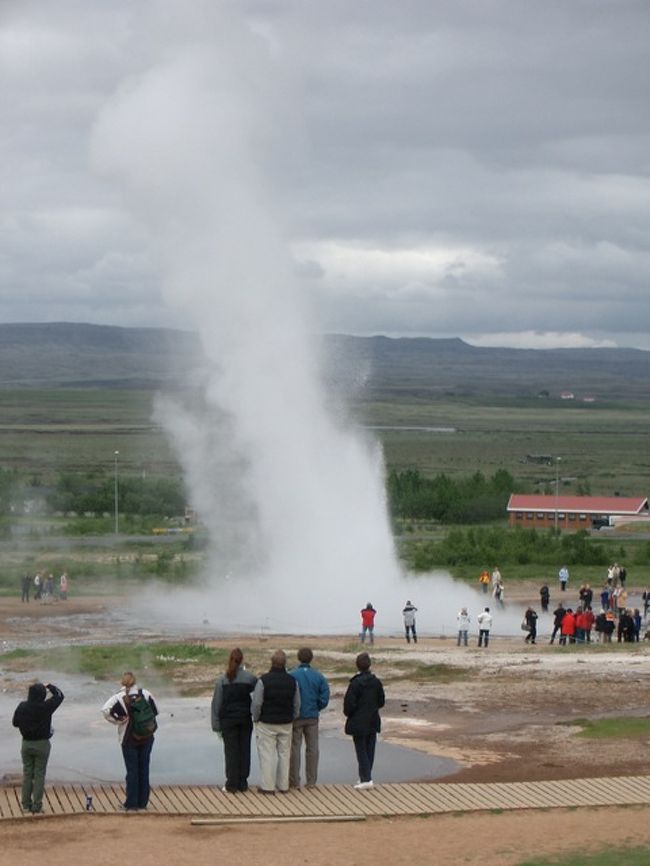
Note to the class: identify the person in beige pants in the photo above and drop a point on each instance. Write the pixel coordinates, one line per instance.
(275, 704)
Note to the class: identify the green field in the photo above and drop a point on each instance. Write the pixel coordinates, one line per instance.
(46, 432)
(614, 856)
(604, 448)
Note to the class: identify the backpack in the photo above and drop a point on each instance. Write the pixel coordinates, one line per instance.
(143, 718)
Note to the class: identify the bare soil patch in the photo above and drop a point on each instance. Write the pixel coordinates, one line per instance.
(472, 839)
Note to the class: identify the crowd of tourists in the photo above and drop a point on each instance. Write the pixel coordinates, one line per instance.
(44, 587)
(281, 706)
(578, 623)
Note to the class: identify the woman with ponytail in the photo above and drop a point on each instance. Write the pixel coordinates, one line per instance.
(231, 718)
(133, 709)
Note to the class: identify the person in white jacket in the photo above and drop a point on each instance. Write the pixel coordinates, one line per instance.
(463, 626)
(133, 710)
(484, 620)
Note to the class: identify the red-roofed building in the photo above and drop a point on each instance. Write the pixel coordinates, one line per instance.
(573, 512)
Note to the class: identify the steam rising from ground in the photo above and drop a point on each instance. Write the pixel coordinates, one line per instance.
(293, 499)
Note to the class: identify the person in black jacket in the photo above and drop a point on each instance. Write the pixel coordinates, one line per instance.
(231, 717)
(545, 597)
(275, 704)
(363, 700)
(531, 621)
(558, 616)
(34, 719)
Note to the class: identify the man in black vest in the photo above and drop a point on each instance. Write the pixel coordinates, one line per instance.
(276, 703)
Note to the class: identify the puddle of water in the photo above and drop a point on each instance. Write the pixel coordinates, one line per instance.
(85, 747)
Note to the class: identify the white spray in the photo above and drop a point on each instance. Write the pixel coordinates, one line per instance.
(293, 499)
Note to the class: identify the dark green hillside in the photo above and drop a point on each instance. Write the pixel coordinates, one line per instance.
(425, 368)
(80, 355)
(61, 354)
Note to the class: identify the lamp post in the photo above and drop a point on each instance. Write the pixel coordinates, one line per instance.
(557, 487)
(117, 514)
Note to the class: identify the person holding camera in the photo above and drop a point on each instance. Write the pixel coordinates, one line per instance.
(33, 718)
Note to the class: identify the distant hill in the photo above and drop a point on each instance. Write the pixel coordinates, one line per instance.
(425, 366)
(81, 355)
(63, 354)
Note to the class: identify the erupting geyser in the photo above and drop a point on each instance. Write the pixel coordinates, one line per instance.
(199, 141)
(294, 501)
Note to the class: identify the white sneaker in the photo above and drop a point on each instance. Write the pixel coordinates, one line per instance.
(361, 786)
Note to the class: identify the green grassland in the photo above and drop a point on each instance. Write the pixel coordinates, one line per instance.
(614, 856)
(606, 729)
(604, 447)
(46, 432)
(190, 666)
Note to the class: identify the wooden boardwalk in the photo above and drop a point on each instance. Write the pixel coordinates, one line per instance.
(340, 801)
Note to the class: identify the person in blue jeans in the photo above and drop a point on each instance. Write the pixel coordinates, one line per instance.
(363, 700)
(136, 747)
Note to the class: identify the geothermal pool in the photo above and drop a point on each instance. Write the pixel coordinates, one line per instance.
(85, 747)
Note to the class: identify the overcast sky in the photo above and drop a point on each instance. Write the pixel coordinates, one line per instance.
(473, 168)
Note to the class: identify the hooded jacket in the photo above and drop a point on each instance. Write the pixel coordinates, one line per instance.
(34, 716)
(361, 704)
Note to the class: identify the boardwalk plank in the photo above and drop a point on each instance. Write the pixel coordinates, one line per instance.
(67, 799)
(405, 799)
(191, 805)
(11, 803)
(5, 793)
(346, 800)
(363, 802)
(262, 804)
(526, 795)
(156, 805)
(395, 800)
(106, 798)
(480, 794)
(451, 796)
(511, 796)
(200, 798)
(342, 800)
(331, 801)
(324, 800)
(166, 802)
(642, 784)
(250, 803)
(626, 792)
(433, 800)
(543, 796)
(301, 802)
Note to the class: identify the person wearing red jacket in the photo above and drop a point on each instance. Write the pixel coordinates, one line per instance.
(368, 623)
(589, 620)
(568, 627)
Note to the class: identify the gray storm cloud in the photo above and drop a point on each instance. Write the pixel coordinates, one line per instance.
(498, 132)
